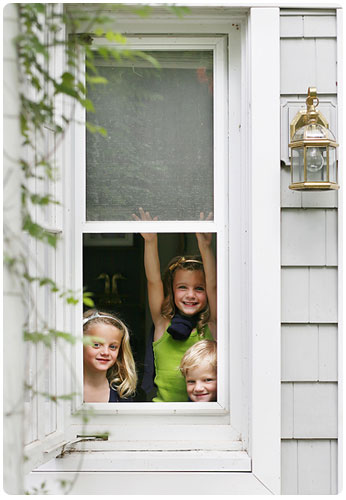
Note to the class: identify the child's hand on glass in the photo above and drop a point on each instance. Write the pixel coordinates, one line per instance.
(145, 216)
(205, 239)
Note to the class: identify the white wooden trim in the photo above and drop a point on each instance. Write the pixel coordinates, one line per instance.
(213, 419)
(199, 5)
(341, 237)
(262, 252)
(195, 459)
(265, 245)
(12, 307)
(151, 483)
(219, 225)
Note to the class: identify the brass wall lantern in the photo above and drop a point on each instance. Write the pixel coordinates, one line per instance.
(314, 166)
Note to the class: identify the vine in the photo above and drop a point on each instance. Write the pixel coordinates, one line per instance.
(40, 34)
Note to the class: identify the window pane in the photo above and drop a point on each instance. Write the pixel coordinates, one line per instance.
(158, 153)
(114, 273)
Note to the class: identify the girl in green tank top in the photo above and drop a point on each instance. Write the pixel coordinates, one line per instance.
(182, 307)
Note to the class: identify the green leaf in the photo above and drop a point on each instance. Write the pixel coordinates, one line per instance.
(115, 37)
(39, 7)
(63, 335)
(81, 87)
(9, 261)
(96, 129)
(147, 57)
(36, 337)
(104, 52)
(90, 340)
(96, 79)
(72, 300)
(88, 105)
(38, 232)
(43, 200)
(87, 301)
(52, 239)
(99, 31)
(179, 11)
(143, 11)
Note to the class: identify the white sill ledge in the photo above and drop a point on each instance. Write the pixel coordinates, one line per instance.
(156, 408)
(184, 460)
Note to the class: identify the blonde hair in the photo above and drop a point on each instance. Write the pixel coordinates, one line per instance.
(187, 263)
(202, 351)
(122, 375)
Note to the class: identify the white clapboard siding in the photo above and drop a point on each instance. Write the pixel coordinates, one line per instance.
(308, 237)
(331, 238)
(299, 26)
(309, 410)
(302, 69)
(323, 295)
(296, 199)
(309, 338)
(319, 26)
(309, 353)
(308, 467)
(309, 295)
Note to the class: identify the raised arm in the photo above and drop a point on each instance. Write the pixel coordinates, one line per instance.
(152, 269)
(209, 264)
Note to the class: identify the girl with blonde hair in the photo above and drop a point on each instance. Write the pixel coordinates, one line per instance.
(109, 368)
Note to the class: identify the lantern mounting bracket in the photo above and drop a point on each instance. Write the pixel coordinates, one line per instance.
(301, 118)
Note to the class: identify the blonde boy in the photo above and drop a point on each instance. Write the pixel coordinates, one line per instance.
(198, 366)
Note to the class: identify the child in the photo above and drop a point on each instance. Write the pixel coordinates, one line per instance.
(182, 307)
(198, 366)
(109, 367)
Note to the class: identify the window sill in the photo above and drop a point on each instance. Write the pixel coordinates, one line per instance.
(178, 457)
(156, 408)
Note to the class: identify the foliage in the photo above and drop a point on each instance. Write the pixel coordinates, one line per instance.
(42, 92)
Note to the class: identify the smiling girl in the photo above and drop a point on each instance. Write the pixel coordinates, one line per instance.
(182, 307)
(108, 364)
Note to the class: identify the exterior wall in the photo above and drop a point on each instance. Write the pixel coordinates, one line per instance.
(309, 270)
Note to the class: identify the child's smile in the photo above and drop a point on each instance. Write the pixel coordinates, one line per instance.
(189, 291)
(201, 383)
(102, 354)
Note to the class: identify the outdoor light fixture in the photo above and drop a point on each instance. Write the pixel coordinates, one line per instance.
(314, 166)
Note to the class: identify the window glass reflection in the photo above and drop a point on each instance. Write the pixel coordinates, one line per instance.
(158, 153)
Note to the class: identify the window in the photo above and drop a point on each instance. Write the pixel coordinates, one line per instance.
(160, 156)
(238, 430)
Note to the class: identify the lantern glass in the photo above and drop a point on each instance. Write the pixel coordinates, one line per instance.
(316, 163)
(313, 131)
(332, 165)
(297, 165)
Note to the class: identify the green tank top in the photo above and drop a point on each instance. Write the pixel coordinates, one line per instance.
(168, 352)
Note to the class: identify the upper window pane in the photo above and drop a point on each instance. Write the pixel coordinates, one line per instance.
(158, 153)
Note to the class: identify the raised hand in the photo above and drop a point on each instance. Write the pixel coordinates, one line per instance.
(145, 216)
(204, 239)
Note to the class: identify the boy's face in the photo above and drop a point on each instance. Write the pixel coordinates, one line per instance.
(201, 383)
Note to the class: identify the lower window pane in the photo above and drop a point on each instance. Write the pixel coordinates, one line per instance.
(113, 268)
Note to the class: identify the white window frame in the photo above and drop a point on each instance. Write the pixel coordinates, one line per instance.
(217, 226)
(254, 260)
